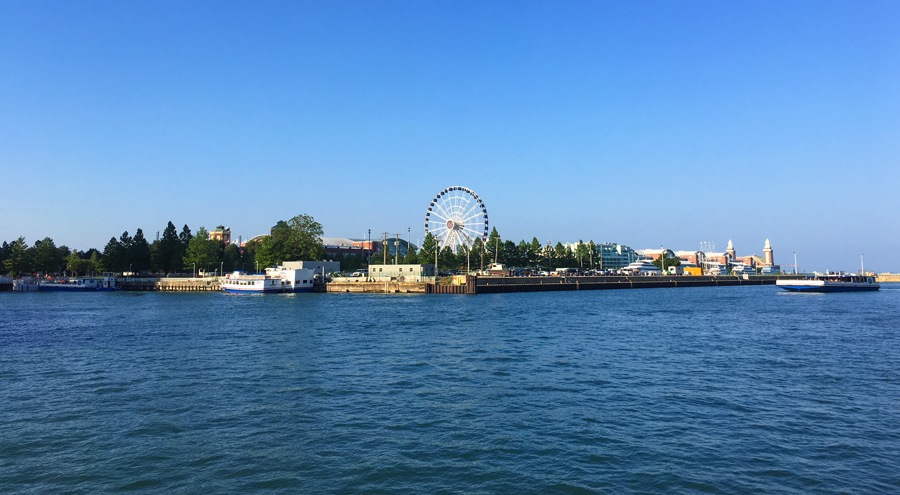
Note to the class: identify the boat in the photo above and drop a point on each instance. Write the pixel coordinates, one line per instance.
(278, 279)
(830, 282)
(642, 267)
(739, 268)
(77, 284)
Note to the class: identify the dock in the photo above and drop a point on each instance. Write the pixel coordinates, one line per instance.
(494, 285)
(468, 285)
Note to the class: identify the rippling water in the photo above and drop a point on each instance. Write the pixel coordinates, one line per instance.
(706, 390)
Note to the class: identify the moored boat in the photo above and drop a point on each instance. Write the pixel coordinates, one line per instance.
(830, 282)
(77, 284)
(278, 279)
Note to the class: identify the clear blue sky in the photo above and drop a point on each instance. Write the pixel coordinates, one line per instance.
(644, 123)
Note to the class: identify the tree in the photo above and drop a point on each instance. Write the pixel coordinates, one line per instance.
(201, 252)
(300, 238)
(426, 253)
(493, 247)
(592, 252)
(478, 252)
(96, 262)
(560, 253)
(138, 253)
(4, 252)
(231, 258)
(18, 260)
(510, 254)
(114, 256)
(448, 259)
(534, 252)
(581, 253)
(411, 258)
(185, 237)
(169, 251)
(78, 265)
(46, 256)
(670, 261)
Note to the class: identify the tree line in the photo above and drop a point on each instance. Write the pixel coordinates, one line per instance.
(482, 254)
(174, 252)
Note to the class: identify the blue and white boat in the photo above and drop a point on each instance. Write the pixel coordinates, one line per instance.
(830, 282)
(278, 279)
(79, 284)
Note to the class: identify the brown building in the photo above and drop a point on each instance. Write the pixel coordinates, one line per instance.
(221, 233)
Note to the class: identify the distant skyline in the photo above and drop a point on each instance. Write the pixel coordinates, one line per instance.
(649, 124)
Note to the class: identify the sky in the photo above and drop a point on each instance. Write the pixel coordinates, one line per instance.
(649, 124)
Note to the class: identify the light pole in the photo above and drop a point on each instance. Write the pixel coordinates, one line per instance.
(662, 259)
(195, 268)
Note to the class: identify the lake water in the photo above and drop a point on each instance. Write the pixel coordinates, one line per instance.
(705, 390)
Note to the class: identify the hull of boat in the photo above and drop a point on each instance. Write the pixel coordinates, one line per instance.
(234, 290)
(71, 288)
(823, 286)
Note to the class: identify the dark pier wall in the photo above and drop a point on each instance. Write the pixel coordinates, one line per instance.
(493, 285)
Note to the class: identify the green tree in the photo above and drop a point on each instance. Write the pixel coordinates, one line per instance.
(46, 256)
(411, 257)
(138, 253)
(492, 247)
(185, 237)
(582, 254)
(670, 261)
(4, 252)
(201, 252)
(300, 238)
(78, 265)
(478, 253)
(426, 253)
(169, 251)
(561, 255)
(114, 256)
(231, 258)
(534, 252)
(510, 254)
(97, 263)
(448, 260)
(18, 260)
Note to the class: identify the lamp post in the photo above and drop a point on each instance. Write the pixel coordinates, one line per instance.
(195, 268)
(662, 259)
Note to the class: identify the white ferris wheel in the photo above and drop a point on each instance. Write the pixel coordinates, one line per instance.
(456, 217)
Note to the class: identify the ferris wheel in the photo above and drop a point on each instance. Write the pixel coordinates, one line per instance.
(456, 217)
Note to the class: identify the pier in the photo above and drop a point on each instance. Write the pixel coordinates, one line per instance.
(470, 285)
(493, 285)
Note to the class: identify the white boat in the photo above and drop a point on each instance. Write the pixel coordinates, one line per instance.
(739, 268)
(830, 282)
(77, 284)
(278, 279)
(642, 267)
